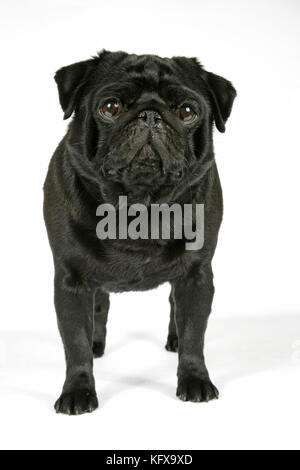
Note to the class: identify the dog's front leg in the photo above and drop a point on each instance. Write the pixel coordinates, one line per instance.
(74, 308)
(193, 297)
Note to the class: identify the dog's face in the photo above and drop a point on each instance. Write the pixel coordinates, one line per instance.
(143, 122)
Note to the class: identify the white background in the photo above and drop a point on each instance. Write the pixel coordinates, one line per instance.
(253, 341)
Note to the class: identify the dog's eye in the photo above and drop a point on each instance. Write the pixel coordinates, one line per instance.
(111, 109)
(186, 113)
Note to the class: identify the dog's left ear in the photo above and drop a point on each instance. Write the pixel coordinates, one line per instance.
(70, 81)
(221, 91)
(222, 94)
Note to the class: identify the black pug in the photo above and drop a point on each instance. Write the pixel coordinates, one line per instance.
(142, 127)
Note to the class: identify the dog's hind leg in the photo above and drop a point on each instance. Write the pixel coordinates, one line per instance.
(172, 341)
(101, 307)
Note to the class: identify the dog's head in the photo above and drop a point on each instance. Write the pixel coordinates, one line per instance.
(141, 123)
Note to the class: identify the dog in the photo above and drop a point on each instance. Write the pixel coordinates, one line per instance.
(142, 127)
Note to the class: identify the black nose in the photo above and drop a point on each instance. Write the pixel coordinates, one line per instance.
(150, 117)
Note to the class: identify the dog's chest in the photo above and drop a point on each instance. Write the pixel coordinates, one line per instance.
(126, 270)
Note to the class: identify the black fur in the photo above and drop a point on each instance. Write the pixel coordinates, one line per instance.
(97, 161)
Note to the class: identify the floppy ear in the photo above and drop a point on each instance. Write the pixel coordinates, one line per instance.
(70, 81)
(221, 92)
(222, 95)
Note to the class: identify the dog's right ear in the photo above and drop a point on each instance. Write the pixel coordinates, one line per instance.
(70, 82)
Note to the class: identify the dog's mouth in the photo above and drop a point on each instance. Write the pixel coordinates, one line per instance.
(146, 164)
(145, 171)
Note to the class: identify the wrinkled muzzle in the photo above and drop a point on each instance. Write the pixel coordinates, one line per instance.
(145, 153)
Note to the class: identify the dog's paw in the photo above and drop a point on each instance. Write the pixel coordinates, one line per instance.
(98, 349)
(77, 402)
(172, 343)
(196, 390)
